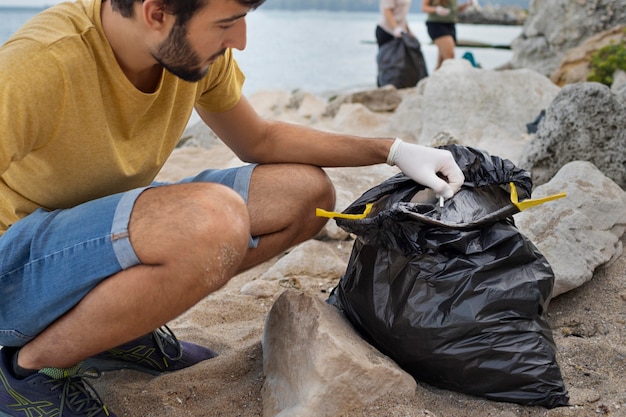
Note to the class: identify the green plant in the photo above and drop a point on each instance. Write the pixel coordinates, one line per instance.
(605, 61)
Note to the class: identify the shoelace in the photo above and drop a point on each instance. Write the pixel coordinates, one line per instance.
(78, 395)
(164, 335)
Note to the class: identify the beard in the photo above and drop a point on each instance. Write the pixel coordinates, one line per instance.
(176, 56)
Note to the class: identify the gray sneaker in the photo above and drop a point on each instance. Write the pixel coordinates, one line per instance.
(49, 392)
(154, 353)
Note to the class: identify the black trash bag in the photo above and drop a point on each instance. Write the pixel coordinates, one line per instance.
(456, 296)
(400, 62)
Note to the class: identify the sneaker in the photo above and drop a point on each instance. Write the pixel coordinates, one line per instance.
(49, 392)
(154, 353)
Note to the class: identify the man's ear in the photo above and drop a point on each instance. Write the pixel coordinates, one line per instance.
(156, 17)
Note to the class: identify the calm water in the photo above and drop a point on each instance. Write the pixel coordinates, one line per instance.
(321, 52)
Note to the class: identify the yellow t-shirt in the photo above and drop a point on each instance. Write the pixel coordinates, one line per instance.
(73, 126)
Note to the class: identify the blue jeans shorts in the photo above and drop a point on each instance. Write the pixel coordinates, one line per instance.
(50, 260)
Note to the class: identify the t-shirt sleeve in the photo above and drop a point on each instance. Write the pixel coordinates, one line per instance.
(222, 85)
(29, 99)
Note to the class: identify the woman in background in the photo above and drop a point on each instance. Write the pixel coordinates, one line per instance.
(393, 21)
(441, 25)
(399, 59)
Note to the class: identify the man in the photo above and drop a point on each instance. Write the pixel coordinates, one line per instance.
(93, 98)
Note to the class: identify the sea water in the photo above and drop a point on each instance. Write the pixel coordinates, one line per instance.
(322, 52)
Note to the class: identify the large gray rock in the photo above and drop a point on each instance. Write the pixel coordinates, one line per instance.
(586, 122)
(480, 107)
(555, 26)
(316, 365)
(581, 232)
(382, 99)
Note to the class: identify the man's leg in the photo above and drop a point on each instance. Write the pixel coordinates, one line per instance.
(282, 203)
(191, 239)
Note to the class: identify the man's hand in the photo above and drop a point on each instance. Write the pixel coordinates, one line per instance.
(423, 163)
(442, 11)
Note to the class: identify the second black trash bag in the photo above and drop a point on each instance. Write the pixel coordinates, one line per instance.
(400, 62)
(456, 295)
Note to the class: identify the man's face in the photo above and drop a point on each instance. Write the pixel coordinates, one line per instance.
(190, 48)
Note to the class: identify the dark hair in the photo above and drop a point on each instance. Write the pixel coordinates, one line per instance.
(182, 9)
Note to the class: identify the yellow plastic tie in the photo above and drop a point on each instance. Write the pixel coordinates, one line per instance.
(336, 215)
(532, 202)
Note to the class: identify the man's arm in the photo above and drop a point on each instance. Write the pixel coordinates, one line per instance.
(255, 139)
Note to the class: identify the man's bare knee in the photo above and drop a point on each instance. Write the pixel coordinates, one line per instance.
(199, 229)
(323, 195)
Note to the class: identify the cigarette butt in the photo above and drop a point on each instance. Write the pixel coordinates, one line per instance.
(440, 201)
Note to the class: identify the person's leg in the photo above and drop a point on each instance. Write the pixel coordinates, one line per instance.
(191, 239)
(445, 46)
(282, 203)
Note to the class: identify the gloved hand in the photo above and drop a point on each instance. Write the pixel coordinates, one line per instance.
(442, 11)
(422, 163)
(398, 31)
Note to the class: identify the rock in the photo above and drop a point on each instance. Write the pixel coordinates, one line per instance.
(479, 107)
(581, 232)
(271, 104)
(363, 119)
(555, 26)
(316, 365)
(198, 135)
(309, 259)
(575, 65)
(260, 288)
(382, 99)
(312, 107)
(494, 15)
(587, 122)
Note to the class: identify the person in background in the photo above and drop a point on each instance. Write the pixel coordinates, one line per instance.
(441, 25)
(95, 258)
(393, 20)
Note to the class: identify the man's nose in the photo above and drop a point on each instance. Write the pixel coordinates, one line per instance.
(237, 36)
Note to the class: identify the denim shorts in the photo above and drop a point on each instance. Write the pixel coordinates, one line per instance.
(50, 260)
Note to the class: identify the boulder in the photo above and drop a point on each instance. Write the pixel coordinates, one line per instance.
(384, 99)
(586, 122)
(555, 26)
(480, 107)
(581, 232)
(317, 365)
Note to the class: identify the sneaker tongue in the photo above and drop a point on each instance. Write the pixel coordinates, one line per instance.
(60, 373)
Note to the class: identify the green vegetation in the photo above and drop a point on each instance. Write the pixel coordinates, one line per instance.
(605, 61)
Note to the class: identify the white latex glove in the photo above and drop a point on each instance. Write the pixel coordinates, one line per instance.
(423, 163)
(398, 31)
(442, 11)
